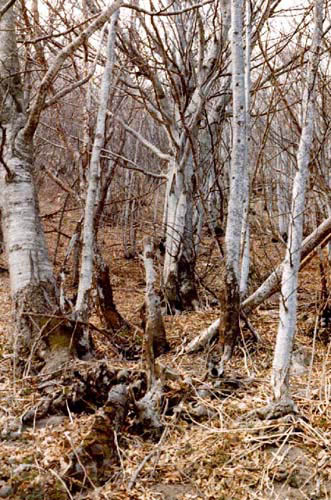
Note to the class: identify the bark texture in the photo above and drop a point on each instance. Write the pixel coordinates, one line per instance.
(288, 301)
(31, 276)
(155, 342)
(229, 325)
(86, 274)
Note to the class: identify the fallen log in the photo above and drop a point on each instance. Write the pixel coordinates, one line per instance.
(318, 238)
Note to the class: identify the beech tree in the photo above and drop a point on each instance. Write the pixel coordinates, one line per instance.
(93, 190)
(184, 84)
(33, 286)
(288, 300)
(229, 331)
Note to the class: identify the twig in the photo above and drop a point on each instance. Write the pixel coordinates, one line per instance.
(119, 452)
(145, 460)
(164, 12)
(250, 326)
(62, 482)
(87, 324)
(6, 7)
(79, 460)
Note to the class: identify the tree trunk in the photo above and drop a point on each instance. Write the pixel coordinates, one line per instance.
(155, 335)
(230, 329)
(31, 276)
(179, 263)
(245, 232)
(288, 301)
(86, 275)
(112, 318)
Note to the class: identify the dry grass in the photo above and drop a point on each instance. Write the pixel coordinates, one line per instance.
(225, 454)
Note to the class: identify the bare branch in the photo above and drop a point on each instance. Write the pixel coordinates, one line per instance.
(142, 139)
(165, 12)
(134, 166)
(38, 103)
(56, 35)
(81, 82)
(4, 9)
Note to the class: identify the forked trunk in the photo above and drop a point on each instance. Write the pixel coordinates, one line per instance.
(179, 264)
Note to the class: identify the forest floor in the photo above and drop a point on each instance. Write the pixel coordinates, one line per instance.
(226, 452)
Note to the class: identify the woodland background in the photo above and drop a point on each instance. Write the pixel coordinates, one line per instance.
(125, 164)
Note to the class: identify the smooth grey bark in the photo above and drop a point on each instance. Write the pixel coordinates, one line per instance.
(86, 273)
(288, 300)
(229, 328)
(283, 196)
(179, 263)
(33, 286)
(245, 232)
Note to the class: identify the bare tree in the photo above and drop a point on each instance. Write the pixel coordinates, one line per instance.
(288, 301)
(85, 282)
(229, 330)
(33, 286)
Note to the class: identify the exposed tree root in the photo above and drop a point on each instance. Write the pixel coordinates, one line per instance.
(149, 410)
(94, 460)
(116, 400)
(277, 410)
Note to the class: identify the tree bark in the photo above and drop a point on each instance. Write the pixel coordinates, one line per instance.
(31, 276)
(179, 263)
(155, 342)
(288, 301)
(245, 232)
(86, 274)
(229, 325)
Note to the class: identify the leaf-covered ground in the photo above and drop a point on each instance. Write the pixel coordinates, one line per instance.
(213, 445)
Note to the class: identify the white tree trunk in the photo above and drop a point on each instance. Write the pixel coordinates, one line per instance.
(283, 196)
(288, 301)
(230, 324)
(86, 273)
(238, 166)
(155, 342)
(179, 262)
(245, 233)
(31, 276)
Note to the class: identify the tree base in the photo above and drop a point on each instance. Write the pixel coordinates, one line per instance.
(277, 410)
